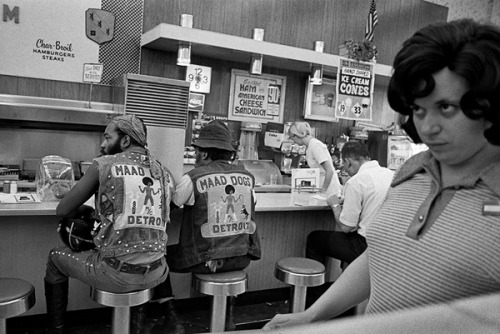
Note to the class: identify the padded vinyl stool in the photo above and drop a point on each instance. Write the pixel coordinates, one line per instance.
(121, 303)
(220, 286)
(300, 273)
(16, 297)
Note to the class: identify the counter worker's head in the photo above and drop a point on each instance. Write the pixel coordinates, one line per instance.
(446, 86)
(123, 132)
(299, 131)
(213, 143)
(355, 154)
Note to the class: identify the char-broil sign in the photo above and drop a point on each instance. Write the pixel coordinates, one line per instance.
(99, 25)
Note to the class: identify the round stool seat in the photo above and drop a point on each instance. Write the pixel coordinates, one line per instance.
(125, 299)
(230, 283)
(300, 271)
(16, 297)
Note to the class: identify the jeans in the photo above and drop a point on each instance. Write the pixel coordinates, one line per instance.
(345, 247)
(89, 268)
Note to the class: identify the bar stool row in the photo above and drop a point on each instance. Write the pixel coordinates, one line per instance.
(18, 296)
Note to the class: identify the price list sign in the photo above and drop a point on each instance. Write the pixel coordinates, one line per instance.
(354, 90)
(257, 99)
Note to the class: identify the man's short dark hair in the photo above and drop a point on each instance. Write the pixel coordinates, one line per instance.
(467, 48)
(355, 150)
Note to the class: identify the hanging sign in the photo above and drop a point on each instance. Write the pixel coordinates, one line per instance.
(196, 102)
(258, 99)
(355, 82)
(99, 25)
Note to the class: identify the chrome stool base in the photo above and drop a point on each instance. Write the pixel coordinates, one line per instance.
(220, 286)
(300, 273)
(16, 297)
(121, 303)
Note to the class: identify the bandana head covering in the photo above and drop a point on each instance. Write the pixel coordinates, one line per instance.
(132, 126)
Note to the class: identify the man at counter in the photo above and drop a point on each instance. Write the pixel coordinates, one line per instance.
(364, 193)
(128, 254)
(218, 233)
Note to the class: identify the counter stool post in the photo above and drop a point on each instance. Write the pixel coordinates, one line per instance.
(220, 286)
(121, 320)
(121, 303)
(300, 273)
(218, 314)
(298, 299)
(16, 297)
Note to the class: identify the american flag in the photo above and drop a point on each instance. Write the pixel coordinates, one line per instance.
(371, 22)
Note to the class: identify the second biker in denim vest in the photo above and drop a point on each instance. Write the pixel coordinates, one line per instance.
(221, 222)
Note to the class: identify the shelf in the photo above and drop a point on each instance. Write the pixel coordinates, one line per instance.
(233, 48)
(56, 114)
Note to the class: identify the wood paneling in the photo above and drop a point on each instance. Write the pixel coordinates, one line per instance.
(290, 22)
(54, 89)
(299, 23)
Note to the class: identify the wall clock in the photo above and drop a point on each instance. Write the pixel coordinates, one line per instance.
(199, 77)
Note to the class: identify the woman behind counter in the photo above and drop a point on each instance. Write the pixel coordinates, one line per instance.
(317, 156)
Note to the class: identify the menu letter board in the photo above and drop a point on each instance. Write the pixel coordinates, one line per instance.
(258, 99)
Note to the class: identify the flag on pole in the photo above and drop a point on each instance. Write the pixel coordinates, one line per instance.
(371, 22)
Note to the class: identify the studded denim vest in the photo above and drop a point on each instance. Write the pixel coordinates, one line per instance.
(132, 205)
(221, 222)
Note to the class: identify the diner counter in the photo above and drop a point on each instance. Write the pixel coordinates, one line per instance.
(28, 233)
(293, 201)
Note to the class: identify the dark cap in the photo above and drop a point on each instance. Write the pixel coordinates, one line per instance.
(215, 134)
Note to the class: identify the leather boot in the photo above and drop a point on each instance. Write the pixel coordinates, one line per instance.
(230, 324)
(138, 319)
(56, 298)
(169, 321)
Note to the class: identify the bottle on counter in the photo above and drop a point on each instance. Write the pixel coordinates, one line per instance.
(13, 187)
(6, 186)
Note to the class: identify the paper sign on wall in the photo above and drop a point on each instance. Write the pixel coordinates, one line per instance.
(355, 82)
(92, 72)
(257, 99)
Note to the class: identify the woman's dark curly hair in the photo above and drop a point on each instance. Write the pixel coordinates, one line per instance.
(467, 48)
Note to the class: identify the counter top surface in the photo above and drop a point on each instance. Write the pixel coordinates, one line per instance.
(290, 202)
(266, 202)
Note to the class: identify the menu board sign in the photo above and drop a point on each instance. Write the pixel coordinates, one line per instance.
(258, 99)
(355, 82)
